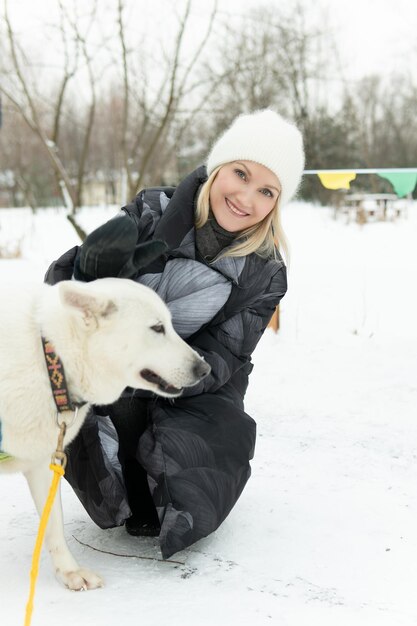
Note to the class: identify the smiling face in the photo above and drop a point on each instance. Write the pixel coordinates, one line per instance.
(242, 194)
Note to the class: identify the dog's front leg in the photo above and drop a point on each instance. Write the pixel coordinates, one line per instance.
(66, 567)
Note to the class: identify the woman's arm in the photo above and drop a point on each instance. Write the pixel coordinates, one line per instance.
(227, 347)
(62, 268)
(117, 248)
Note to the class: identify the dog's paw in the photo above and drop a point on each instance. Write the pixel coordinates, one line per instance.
(80, 579)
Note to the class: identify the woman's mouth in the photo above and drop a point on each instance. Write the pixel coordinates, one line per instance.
(235, 210)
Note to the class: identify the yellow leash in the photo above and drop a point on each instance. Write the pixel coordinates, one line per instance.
(59, 471)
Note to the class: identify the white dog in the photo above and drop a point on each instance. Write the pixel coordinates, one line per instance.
(110, 334)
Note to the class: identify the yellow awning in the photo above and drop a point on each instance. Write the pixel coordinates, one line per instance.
(336, 180)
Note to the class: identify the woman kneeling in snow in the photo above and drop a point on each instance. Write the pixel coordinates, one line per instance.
(176, 468)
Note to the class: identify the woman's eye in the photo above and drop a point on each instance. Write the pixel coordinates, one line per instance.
(267, 192)
(241, 174)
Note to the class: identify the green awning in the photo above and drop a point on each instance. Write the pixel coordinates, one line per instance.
(403, 182)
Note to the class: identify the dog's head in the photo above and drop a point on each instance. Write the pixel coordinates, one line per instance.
(128, 339)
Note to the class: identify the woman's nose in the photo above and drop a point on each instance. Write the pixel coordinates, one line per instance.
(245, 198)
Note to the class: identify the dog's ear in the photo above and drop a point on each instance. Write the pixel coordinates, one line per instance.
(76, 295)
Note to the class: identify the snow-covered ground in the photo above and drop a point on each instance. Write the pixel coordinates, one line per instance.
(326, 530)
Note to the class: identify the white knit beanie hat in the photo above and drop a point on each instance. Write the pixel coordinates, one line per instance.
(266, 138)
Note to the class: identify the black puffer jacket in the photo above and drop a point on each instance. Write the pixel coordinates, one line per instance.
(196, 450)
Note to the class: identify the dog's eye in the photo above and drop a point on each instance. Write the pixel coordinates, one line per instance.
(158, 328)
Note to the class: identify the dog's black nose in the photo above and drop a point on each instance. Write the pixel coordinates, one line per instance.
(201, 369)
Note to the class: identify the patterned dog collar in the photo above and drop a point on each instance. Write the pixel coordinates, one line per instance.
(57, 379)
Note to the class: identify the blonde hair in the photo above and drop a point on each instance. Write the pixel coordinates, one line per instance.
(263, 238)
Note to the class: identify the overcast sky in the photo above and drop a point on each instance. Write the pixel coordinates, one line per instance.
(371, 35)
(375, 35)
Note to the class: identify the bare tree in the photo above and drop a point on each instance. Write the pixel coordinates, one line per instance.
(45, 119)
(271, 57)
(26, 104)
(15, 160)
(147, 106)
(159, 105)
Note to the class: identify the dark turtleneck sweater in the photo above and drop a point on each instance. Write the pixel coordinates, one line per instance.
(211, 239)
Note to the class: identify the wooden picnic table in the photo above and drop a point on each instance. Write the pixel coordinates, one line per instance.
(365, 206)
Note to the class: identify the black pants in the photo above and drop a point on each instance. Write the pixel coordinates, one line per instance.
(130, 418)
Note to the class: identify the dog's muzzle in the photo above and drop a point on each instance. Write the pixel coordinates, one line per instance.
(200, 371)
(162, 384)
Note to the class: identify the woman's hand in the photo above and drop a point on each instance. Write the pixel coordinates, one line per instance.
(111, 250)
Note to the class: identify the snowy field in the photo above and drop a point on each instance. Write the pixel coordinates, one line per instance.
(326, 530)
